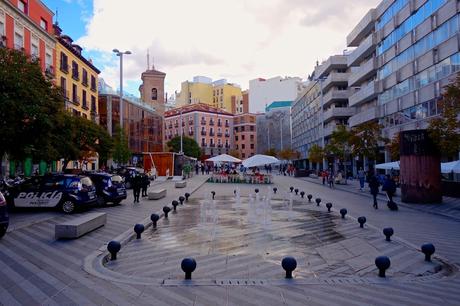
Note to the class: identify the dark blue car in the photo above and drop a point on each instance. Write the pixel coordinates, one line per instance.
(4, 219)
(109, 188)
(66, 192)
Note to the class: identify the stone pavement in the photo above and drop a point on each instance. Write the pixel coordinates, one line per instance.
(450, 207)
(36, 269)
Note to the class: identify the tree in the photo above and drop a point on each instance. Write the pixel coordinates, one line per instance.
(316, 154)
(288, 154)
(121, 152)
(271, 152)
(234, 153)
(80, 139)
(190, 146)
(365, 139)
(29, 107)
(444, 129)
(339, 145)
(394, 147)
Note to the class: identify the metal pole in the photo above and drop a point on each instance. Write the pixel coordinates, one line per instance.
(281, 133)
(181, 136)
(121, 90)
(322, 119)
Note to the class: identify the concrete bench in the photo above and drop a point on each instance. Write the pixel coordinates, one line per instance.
(157, 194)
(79, 226)
(180, 184)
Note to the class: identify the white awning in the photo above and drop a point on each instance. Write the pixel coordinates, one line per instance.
(224, 158)
(388, 166)
(451, 167)
(260, 160)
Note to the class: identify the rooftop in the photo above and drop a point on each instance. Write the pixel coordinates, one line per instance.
(278, 104)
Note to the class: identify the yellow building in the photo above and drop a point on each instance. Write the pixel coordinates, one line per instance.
(219, 94)
(77, 77)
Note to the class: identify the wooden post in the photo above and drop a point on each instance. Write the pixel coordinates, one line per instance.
(420, 168)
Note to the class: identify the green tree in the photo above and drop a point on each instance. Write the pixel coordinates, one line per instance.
(271, 152)
(339, 145)
(288, 154)
(234, 153)
(190, 146)
(365, 139)
(316, 154)
(394, 147)
(121, 152)
(444, 129)
(29, 107)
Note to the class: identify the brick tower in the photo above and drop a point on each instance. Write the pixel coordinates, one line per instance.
(152, 88)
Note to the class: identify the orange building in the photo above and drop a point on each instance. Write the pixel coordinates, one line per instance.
(210, 127)
(28, 25)
(245, 135)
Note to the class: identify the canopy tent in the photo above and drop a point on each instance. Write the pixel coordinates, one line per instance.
(451, 167)
(388, 166)
(259, 160)
(224, 158)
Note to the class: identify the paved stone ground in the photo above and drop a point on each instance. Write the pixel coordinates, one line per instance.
(36, 269)
(231, 241)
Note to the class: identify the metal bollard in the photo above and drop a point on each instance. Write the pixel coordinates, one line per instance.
(154, 218)
(166, 211)
(188, 265)
(113, 247)
(289, 264)
(382, 263)
(138, 229)
(388, 232)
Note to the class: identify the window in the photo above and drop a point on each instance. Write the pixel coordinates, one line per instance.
(93, 104)
(93, 83)
(243, 146)
(22, 6)
(48, 59)
(84, 75)
(18, 41)
(74, 93)
(83, 97)
(242, 137)
(34, 50)
(64, 65)
(221, 91)
(154, 94)
(44, 24)
(64, 88)
(252, 146)
(75, 74)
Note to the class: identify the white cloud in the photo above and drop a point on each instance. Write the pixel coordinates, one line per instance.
(239, 39)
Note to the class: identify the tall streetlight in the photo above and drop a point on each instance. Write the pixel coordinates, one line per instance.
(120, 54)
(321, 80)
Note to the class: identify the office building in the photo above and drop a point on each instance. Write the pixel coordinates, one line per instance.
(274, 127)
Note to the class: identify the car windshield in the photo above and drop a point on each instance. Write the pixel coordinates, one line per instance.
(86, 181)
(117, 179)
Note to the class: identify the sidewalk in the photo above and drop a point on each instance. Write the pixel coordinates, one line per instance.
(449, 208)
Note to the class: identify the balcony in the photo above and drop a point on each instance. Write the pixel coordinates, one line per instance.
(203, 122)
(211, 122)
(227, 124)
(334, 95)
(219, 134)
(203, 133)
(85, 105)
(365, 94)
(76, 100)
(176, 125)
(333, 62)
(170, 126)
(219, 146)
(212, 145)
(75, 75)
(363, 72)
(190, 133)
(365, 49)
(362, 29)
(211, 133)
(64, 67)
(49, 71)
(65, 93)
(335, 78)
(227, 146)
(93, 87)
(190, 122)
(364, 116)
(219, 123)
(85, 81)
(227, 135)
(338, 112)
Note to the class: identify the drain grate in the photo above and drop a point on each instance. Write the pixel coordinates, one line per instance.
(241, 282)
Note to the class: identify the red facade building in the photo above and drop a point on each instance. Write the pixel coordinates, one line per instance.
(28, 25)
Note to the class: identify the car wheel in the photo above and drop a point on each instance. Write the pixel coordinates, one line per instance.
(3, 230)
(68, 207)
(117, 202)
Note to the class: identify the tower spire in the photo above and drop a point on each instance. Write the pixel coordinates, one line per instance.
(148, 59)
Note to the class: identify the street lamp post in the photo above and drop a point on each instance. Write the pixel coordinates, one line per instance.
(321, 80)
(120, 54)
(181, 136)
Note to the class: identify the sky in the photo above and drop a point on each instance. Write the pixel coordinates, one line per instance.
(238, 40)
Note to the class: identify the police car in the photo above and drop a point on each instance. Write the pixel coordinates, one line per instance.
(109, 188)
(4, 219)
(64, 191)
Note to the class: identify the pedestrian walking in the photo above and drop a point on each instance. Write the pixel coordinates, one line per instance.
(145, 183)
(202, 169)
(330, 179)
(389, 187)
(362, 178)
(136, 183)
(196, 168)
(374, 186)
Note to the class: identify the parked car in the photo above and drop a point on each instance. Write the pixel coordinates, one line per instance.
(109, 188)
(4, 218)
(64, 191)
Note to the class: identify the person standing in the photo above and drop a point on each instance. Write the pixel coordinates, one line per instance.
(331, 179)
(374, 186)
(136, 183)
(196, 168)
(362, 178)
(145, 184)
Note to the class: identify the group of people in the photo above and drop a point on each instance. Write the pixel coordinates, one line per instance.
(140, 182)
(288, 170)
(388, 186)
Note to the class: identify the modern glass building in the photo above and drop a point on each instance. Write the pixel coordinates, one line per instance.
(414, 47)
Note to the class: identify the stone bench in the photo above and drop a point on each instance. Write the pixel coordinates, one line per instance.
(156, 194)
(79, 226)
(180, 184)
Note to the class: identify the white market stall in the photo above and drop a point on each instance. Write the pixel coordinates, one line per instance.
(388, 166)
(260, 160)
(224, 158)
